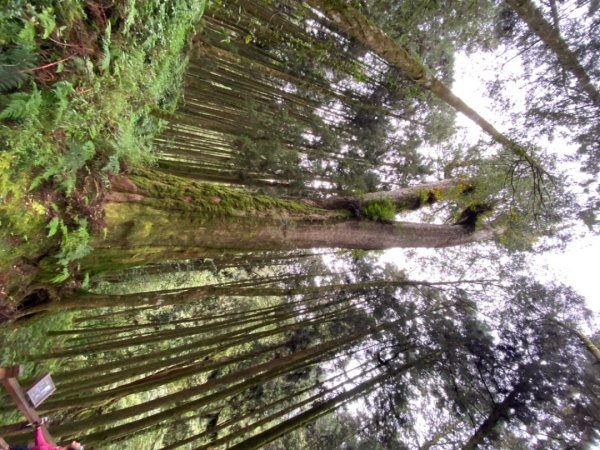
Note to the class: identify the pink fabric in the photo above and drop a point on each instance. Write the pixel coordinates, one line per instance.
(40, 442)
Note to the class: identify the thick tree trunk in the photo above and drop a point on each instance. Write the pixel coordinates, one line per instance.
(551, 37)
(150, 216)
(349, 234)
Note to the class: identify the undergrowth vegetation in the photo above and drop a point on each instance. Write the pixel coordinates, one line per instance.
(82, 87)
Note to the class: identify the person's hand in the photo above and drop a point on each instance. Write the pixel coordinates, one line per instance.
(40, 422)
(76, 445)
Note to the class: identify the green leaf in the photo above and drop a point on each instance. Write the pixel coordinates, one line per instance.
(14, 63)
(63, 276)
(79, 154)
(26, 37)
(105, 63)
(53, 226)
(46, 19)
(62, 90)
(85, 284)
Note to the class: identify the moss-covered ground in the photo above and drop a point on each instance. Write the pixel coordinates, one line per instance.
(83, 84)
(82, 87)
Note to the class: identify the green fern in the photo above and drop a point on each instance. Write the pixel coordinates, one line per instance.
(74, 242)
(113, 165)
(75, 158)
(79, 153)
(64, 168)
(22, 105)
(14, 63)
(53, 226)
(47, 21)
(62, 91)
(61, 277)
(106, 57)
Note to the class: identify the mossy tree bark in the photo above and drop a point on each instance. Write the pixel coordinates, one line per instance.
(152, 216)
(408, 198)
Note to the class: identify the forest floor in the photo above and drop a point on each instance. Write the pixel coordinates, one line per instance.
(83, 84)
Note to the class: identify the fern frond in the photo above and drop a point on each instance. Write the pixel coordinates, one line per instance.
(78, 154)
(105, 62)
(113, 165)
(22, 105)
(62, 91)
(13, 65)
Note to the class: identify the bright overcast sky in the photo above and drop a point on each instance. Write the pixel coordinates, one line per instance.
(577, 266)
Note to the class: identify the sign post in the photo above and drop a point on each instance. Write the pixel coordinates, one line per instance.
(8, 379)
(41, 390)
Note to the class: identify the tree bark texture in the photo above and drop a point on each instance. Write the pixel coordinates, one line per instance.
(406, 198)
(156, 216)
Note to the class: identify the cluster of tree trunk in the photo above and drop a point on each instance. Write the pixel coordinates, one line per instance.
(314, 102)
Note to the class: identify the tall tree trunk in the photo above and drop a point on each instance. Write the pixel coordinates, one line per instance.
(320, 409)
(372, 37)
(167, 336)
(406, 198)
(151, 211)
(174, 367)
(151, 382)
(551, 37)
(182, 296)
(265, 410)
(244, 378)
(268, 416)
